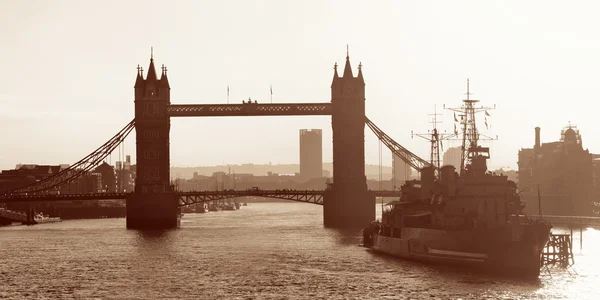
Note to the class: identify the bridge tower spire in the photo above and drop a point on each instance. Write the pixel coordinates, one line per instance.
(347, 67)
(347, 202)
(152, 205)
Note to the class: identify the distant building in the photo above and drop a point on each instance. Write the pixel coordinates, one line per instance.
(564, 173)
(125, 177)
(89, 183)
(401, 171)
(311, 153)
(596, 166)
(109, 177)
(26, 174)
(221, 180)
(452, 156)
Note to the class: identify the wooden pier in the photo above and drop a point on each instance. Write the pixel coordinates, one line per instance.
(558, 251)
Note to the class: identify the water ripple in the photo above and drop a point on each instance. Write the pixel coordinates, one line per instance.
(263, 251)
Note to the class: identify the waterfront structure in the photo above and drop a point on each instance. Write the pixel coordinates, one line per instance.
(563, 171)
(25, 174)
(89, 183)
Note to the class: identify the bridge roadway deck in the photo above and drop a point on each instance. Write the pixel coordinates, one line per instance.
(192, 197)
(249, 109)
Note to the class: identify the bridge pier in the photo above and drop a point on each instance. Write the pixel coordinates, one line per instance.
(153, 205)
(348, 203)
(153, 211)
(345, 208)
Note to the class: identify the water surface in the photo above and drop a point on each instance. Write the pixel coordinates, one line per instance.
(263, 251)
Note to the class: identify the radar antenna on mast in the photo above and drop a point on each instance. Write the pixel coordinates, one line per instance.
(435, 138)
(473, 156)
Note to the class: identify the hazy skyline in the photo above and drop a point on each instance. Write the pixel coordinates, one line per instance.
(68, 69)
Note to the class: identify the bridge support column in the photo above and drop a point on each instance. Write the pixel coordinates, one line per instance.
(347, 208)
(348, 203)
(153, 205)
(153, 211)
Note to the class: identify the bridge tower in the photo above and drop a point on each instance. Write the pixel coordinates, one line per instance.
(348, 203)
(153, 204)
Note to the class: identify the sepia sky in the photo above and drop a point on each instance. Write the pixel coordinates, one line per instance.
(68, 69)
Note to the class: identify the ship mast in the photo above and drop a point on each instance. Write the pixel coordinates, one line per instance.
(435, 139)
(472, 154)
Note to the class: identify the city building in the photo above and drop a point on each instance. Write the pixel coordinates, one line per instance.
(401, 171)
(452, 156)
(25, 174)
(89, 183)
(562, 172)
(109, 177)
(124, 175)
(311, 154)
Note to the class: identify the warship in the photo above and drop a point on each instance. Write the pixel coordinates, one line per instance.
(470, 218)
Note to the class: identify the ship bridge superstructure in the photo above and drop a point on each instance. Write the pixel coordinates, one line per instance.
(474, 157)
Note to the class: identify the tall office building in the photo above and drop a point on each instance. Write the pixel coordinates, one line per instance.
(452, 156)
(400, 170)
(311, 153)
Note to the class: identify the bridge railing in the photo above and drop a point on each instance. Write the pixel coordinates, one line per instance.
(194, 197)
(191, 197)
(249, 109)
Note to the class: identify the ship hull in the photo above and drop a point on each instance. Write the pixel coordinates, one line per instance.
(510, 251)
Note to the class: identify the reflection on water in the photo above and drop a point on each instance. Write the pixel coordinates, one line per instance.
(345, 236)
(264, 250)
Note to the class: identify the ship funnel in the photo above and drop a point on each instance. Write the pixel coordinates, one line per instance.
(448, 179)
(427, 181)
(428, 175)
(537, 138)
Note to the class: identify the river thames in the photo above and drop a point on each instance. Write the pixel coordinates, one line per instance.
(262, 251)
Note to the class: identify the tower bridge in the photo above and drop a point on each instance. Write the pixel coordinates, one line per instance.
(346, 203)
(155, 204)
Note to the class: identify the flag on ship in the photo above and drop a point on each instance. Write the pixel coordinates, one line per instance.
(455, 119)
(486, 113)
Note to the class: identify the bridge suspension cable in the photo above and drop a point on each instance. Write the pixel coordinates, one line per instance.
(408, 157)
(79, 168)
